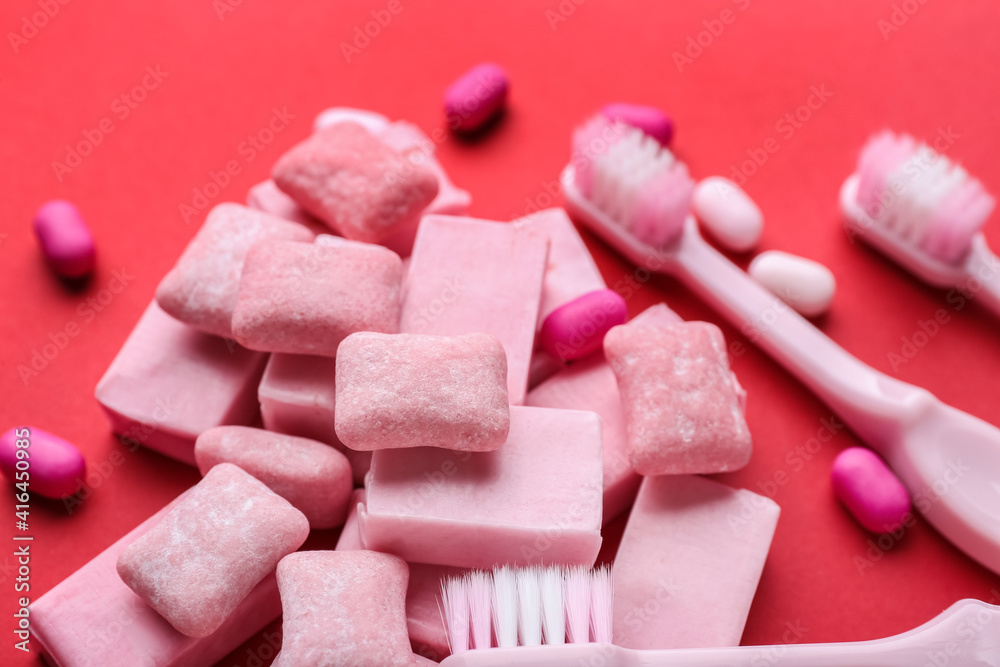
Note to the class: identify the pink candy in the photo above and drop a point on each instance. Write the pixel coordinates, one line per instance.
(66, 242)
(650, 120)
(577, 328)
(41, 463)
(865, 485)
(476, 97)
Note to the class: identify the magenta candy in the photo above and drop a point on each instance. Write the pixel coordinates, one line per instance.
(478, 95)
(55, 468)
(650, 120)
(865, 485)
(65, 239)
(577, 328)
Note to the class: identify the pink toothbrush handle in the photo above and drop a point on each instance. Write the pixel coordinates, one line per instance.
(873, 404)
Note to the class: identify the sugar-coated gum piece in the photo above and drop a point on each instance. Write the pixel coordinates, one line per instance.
(728, 213)
(803, 284)
(413, 390)
(370, 120)
(577, 328)
(869, 490)
(266, 196)
(211, 549)
(65, 240)
(650, 120)
(92, 618)
(476, 97)
(51, 466)
(696, 548)
(315, 478)
(343, 608)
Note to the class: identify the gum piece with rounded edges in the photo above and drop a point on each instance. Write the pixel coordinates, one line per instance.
(728, 213)
(315, 478)
(205, 555)
(803, 284)
(343, 608)
(51, 466)
(577, 328)
(298, 396)
(65, 240)
(201, 288)
(681, 401)
(476, 97)
(304, 298)
(267, 197)
(650, 120)
(412, 390)
(370, 120)
(361, 188)
(869, 490)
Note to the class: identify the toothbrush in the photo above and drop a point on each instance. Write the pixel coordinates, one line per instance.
(965, 635)
(924, 212)
(949, 457)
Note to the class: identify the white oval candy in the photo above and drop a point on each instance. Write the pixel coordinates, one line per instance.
(803, 284)
(727, 212)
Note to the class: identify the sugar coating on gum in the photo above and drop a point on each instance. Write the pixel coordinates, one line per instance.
(356, 184)
(205, 555)
(411, 390)
(315, 478)
(681, 401)
(343, 608)
(201, 288)
(302, 298)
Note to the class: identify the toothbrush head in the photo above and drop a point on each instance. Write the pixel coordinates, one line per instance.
(921, 199)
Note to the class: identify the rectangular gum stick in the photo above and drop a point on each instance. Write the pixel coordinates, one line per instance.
(92, 619)
(170, 382)
(689, 563)
(468, 275)
(590, 384)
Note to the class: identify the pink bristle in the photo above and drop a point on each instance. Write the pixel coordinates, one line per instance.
(601, 600)
(957, 220)
(578, 603)
(880, 158)
(663, 206)
(455, 601)
(480, 594)
(590, 141)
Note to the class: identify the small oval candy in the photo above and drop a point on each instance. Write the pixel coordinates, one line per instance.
(872, 493)
(577, 328)
(479, 94)
(728, 213)
(66, 242)
(54, 466)
(803, 284)
(650, 120)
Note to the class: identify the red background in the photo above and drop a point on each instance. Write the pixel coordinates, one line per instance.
(226, 74)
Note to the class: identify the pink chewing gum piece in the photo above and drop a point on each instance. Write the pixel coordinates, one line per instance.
(428, 636)
(681, 402)
(52, 467)
(689, 563)
(409, 141)
(266, 196)
(315, 478)
(343, 608)
(869, 490)
(170, 382)
(493, 286)
(201, 288)
(198, 563)
(65, 240)
(356, 184)
(304, 298)
(536, 499)
(577, 328)
(590, 385)
(650, 120)
(476, 97)
(411, 390)
(298, 396)
(92, 619)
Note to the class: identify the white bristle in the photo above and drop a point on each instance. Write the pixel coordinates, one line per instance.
(601, 600)
(455, 601)
(505, 606)
(480, 592)
(553, 610)
(529, 607)
(577, 597)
